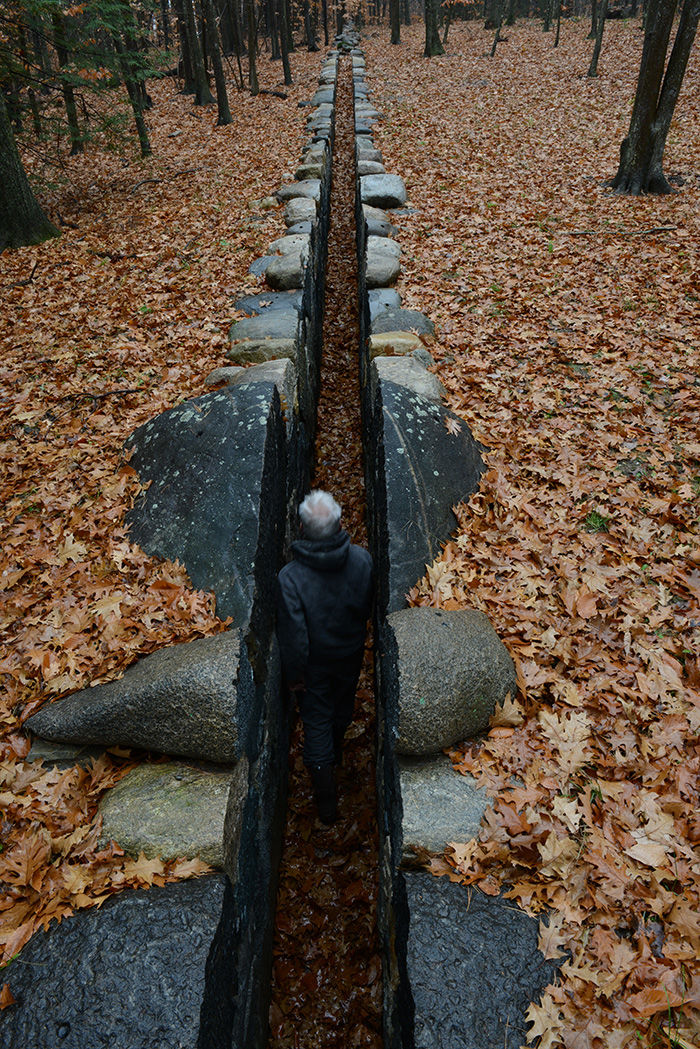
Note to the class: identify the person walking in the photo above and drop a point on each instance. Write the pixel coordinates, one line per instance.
(324, 599)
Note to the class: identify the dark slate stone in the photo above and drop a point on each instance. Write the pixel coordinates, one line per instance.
(271, 300)
(378, 228)
(473, 966)
(403, 320)
(421, 471)
(217, 498)
(270, 324)
(130, 975)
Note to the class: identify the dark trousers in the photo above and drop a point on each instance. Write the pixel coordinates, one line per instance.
(327, 706)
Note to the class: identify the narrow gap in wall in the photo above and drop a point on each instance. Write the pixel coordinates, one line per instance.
(326, 982)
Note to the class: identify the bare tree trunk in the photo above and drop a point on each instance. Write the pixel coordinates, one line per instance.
(59, 28)
(223, 111)
(395, 20)
(510, 20)
(21, 219)
(185, 48)
(134, 96)
(165, 21)
(602, 12)
(641, 153)
(202, 91)
(499, 22)
(284, 40)
(556, 38)
(432, 36)
(594, 20)
(252, 48)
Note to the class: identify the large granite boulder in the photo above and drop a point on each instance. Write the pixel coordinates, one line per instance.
(438, 805)
(262, 350)
(283, 272)
(402, 320)
(472, 965)
(281, 372)
(181, 700)
(310, 188)
(172, 810)
(219, 460)
(129, 975)
(370, 167)
(453, 670)
(381, 299)
(300, 209)
(421, 469)
(383, 191)
(270, 324)
(383, 262)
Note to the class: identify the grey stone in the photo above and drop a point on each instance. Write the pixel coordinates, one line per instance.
(410, 373)
(63, 755)
(403, 320)
(473, 966)
(219, 459)
(384, 191)
(381, 299)
(273, 324)
(394, 343)
(129, 975)
(366, 150)
(314, 169)
(269, 300)
(421, 471)
(299, 227)
(286, 271)
(383, 265)
(439, 804)
(301, 209)
(377, 228)
(291, 244)
(224, 375)
(258, 351)
(282, 373)
(323, 94)
(453, 671)
(258, 266)
(181, 700)
(171, 811)
(364, 127)
(369, 167)
(311, 189)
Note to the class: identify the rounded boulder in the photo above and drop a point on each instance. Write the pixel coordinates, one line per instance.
(452, 671)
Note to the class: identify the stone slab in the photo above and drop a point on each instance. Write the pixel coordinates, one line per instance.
(270, 324)
(402, 320)
(383, 191)
(473, 966)
(258, 351)
(270, 300)
(219, 458)
(130, 975)
(381, 299)
(439, 804)
(426, 471)
(311, 189)
(407, 371)
(63, 755)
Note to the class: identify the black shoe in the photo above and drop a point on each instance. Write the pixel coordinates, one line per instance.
(323, 781)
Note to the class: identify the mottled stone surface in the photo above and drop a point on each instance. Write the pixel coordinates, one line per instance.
(130, 975)
(180, 700)
(311, 188)
(473, 966)
(402, 320)
(439, 804)
(258, 351)
(383, 262)
(394, 343)
(383, 191)
(269, 300)
(219, 458)
(270, 324)
(300, 209)
(286, 271)
(171, 810)
(453, 671)
(422, 470)
(408, 372)
(63, 755)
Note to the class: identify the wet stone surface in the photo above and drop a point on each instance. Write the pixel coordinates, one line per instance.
(129, 975)
(473, 965)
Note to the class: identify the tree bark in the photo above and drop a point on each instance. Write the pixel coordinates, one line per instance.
(252, 48)
(406, 11)
(59, 28)
(641, 153)
(284, 41)
(395, 20)
(602, 13)
(594, 20)
(202, 91)
(134, 96)
(223, 111)
(185, 48)
(556, 38)
(432, 36)
(21, 219)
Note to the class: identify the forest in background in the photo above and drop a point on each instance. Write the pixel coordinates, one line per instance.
(568, 340)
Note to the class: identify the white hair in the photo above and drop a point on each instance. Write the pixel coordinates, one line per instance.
(320, 515)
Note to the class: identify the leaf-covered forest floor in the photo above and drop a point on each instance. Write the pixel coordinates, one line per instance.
(568, 340)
